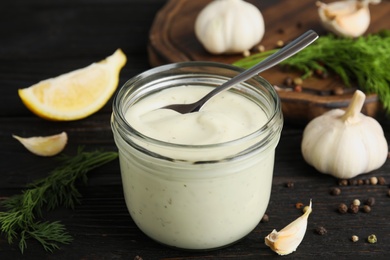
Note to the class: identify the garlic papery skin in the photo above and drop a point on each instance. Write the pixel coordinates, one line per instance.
(345, 143)
(229, 26)
(44, 145)
(350, 18)
(289, 238)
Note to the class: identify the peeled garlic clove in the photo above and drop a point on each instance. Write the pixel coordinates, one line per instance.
(349, 18)
(44, 146)
(288, 239)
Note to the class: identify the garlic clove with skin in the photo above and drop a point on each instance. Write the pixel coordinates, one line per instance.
(290, 237)
(349, 18)
(229, 26)
(44, 145)
(345, 143)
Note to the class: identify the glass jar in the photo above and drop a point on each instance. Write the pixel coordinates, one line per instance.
(196, 197)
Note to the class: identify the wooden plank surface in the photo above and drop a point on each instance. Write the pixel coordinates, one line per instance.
(41, 39)
(172, 39)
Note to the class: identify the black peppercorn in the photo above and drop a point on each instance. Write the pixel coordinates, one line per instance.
(343, 208)
(343, 182)
(366, 209)
(335, 191)
(381, 181)
(354, 209)
(290, 184)
(353, 182)
(288, 81)
(370, 201)
(336, 91)
(321, 230)
(264, 219)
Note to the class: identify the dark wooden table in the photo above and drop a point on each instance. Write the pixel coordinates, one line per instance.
(41, 39)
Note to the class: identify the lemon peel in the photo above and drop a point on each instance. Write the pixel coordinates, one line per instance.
(44, 145)
(76, 94)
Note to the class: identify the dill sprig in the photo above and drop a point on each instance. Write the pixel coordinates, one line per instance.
(364, 61)
(20, 220)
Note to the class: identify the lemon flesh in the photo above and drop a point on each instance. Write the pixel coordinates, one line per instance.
(76, 94)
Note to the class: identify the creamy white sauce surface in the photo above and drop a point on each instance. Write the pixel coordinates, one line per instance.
(227, 116)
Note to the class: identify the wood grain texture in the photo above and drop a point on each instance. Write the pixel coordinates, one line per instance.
(172, 39)
(41, 39)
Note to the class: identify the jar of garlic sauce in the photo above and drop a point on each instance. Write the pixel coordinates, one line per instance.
(200, 180)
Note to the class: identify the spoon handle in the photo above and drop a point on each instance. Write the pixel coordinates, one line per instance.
(287, 51)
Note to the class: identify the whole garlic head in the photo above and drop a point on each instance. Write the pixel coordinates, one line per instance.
(229, 26)
(345, 143)
(349, 18)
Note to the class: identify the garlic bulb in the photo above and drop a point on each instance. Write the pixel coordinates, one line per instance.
(345, 143)
(289, 238)
(229, 26)
(349, 18)
(44, 146)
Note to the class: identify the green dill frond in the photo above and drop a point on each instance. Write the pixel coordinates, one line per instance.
(19, 221)
(48, 234)
(363, 61)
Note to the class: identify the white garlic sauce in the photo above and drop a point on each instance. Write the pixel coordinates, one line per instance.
(225, 117)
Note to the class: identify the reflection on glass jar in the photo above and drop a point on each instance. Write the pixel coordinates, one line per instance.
(201, 180)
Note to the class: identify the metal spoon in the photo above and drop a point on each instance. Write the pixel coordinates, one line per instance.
(290, 49)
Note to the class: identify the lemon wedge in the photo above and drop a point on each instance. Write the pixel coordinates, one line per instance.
(44, 145)
(76, 94)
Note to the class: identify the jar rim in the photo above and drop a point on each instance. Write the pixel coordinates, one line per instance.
(119, 116)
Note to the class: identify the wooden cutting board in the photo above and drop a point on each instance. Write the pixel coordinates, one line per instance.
(172, 39)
